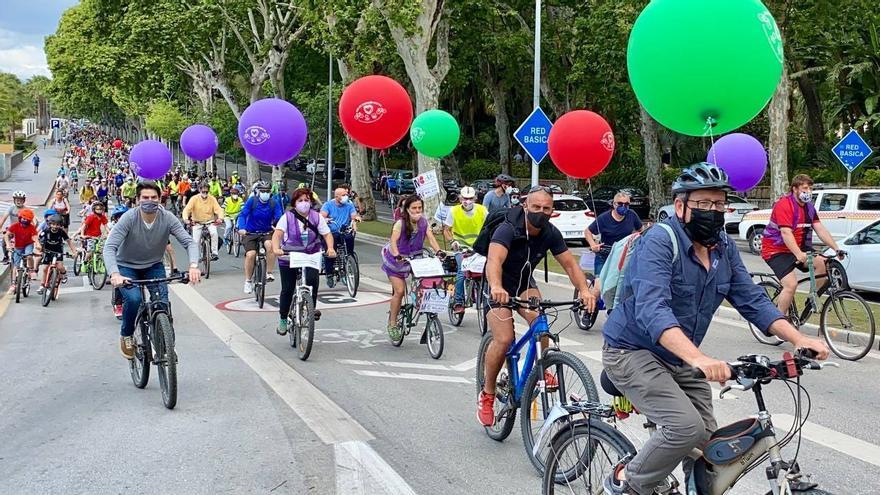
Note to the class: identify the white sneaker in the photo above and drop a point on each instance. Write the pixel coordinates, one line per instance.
(248, 286)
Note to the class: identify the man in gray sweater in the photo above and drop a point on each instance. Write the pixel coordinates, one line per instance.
(134, 251)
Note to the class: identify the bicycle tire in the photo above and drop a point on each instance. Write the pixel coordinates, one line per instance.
(857, 344)
(402, 318)
(26, 285)
(305, 326)
(236, 239)
(482, 308)
(434, 336)
(596, 434)
(352, 275)
(260, 285)
(455, 319)
(206, 256)
(19, 286)
(97, 273)
(56, 287)
(47, 291)
(228, 243)
(77, 263)
(772, 289)
(531, 406)
(503, 394)
(139, 367)
(582, 318)
(167, 366)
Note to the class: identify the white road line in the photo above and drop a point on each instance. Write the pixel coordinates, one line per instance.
(465, 366)
(413, 376)
(361, 471)
(76, 290)
(86, 282)
(324, 417)
(841, 442)
(394, 364)
(594, 355)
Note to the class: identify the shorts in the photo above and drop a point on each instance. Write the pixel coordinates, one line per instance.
(252, 242)
(18, 254)
(782, 264)
(51, 256)
(512, 288)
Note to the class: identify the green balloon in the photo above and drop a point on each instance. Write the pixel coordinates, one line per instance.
(694, 60)
(434, 133)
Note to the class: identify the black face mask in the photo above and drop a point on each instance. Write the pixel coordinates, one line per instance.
(538, 219)
(705, 226)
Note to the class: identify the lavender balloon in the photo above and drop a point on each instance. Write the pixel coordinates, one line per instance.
(198, 142)
(742, 157)
(150, 159)
(272, 130)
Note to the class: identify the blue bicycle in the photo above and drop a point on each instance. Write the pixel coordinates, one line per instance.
(539, 382)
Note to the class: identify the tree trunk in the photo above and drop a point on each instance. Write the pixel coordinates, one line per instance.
(357, 154)
(813, 106)
(277, 174)
(253, 169)
(502, 123)
(451, 168)
(651, 148)
(778, 116)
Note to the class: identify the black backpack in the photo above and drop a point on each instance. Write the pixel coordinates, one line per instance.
(514, 216)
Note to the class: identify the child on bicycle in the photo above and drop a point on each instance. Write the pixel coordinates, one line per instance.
(51, 244)
(93, 227)
(20, 239)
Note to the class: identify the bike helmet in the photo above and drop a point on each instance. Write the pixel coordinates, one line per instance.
(467, 192)
(48, 213)
(261, 185)
(504, 179)
(26, 214)
(701, 176)
(19, 194)
(118, 211)
(55, 219)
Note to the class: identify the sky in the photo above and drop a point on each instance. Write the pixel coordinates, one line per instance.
(23, 26)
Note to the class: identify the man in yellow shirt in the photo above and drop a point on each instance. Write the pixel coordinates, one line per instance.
(462, 226)
(232, 207)
(204, 210)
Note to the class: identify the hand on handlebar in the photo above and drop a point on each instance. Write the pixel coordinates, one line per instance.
(801, 258)
(713, 369)
(588, 299)
(841, 254)
(117, 280)
(331, 253)
(596, 248)
(814, 346)
(499, 295)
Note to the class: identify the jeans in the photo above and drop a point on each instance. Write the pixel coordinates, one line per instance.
(131, 296)
(338, 237)
(598, 263)
(289, 279)
(197, 235)
(459, 280)
(227, 231)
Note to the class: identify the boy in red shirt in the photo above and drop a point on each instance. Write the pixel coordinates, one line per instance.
(92, 228)
(20, 239)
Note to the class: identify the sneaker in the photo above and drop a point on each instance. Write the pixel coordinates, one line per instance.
(458, 308)
(12, 289)
(394, 332)
(270, 277)
(317, 314)
(117, 310)
(126, 345)
(248, 286)
(282, 326)
(214, 257)
(64, 279)
(550, 380)
(614, 486)
(41, 290)
(331, 281)
(486, 409)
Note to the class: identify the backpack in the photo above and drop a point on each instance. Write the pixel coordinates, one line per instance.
(514, 216)
(611, 277)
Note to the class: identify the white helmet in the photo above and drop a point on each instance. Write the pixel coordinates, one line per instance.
(467, 192)
(19, 194)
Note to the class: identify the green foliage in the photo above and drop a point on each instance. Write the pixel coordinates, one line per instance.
(870, 178)
(165, 120)
(480, 169)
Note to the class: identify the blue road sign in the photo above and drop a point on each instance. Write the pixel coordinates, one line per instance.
(852, 150)
(533, 133)
(56, 124)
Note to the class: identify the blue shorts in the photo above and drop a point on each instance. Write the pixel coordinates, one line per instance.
(18, 254)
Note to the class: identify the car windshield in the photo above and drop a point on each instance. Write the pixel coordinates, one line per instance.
(406, 175)
(569, 205)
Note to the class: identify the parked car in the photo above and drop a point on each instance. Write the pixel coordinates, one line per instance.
(860, 269)
(571, 216)
(554, 188)
(316, 166)
(842, 211)
(300, 164)
(340, 172)
(401, 182)
(482, 186)
(603, 198)
(732, 217)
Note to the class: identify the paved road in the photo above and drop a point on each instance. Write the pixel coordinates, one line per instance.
(360, 416)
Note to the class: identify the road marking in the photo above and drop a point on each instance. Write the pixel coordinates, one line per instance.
(413, 376)
(465, 366)
(323, 416)
(841, 442)
(394, 364)
(76, 290)
(360, 470)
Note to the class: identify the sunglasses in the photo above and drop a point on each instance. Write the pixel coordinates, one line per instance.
(622, 203)
(540, 188)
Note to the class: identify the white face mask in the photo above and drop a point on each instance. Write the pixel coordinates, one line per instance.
(235, 196)
(343, 199)
(467, 204)
(303, 206)
(264, 196)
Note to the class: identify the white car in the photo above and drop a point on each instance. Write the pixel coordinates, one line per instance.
(316, 166)
(732, 217)
(571, 216)
(861, 266)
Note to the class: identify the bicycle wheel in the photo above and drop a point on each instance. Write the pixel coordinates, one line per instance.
(505, 404)
(482, 304)
(581, 455)
(228, 242)
(773, 289)
(97, 272)
(352, 274)
(583, 319)
(455, 319)
(139, 367)
(166, 359)
(574, 383)
(260, 282)
(236, 239)
(305, 324)
(50, 284)
(206, 256)
(77, 263)
(847, 324)
(26, 287)
(434, 336)
(19, 285)
(402, 319)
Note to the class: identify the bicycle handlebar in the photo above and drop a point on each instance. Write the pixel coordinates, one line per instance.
(753, 369)
(183, 278)
(534, 304)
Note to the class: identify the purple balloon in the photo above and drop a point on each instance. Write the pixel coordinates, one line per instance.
(272, 130)
(198, 142)
(150, 159)
(742, 157)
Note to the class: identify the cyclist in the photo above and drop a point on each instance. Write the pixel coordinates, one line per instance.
(516, 248)
(215, 188)
(103, 192)
(134, 250)
(51, 244)
(499, 198)
(652, 337)
(118, 183)
(20, 238)
(93, 227)
(62, 183)
(407, 238)
(300, 229)
(86, 193)
(614, 225)
(788, 237)
(184, 189)
(255, 224)
(36, 161)
(74, 178)
(172, 191)
(62, 206)
(234, 179)
(10, 217)
(231, 207)
(340, 212)
(117, 212)
(200, 209)
(462, 226)
(127, 192)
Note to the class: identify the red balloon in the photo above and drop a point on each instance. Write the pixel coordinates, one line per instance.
(117, 143)
(375, 111)
(581, 144)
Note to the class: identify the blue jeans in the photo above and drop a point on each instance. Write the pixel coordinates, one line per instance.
(131, 296)
(459, 280)
(338, 237)
(598, 263)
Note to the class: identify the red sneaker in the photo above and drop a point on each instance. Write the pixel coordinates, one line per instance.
(486, 409)
(550, 380)
(117, 310)
(458, 309)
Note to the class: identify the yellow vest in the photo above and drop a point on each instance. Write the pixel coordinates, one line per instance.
(466, 228)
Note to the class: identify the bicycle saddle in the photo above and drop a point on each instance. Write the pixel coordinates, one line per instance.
(608, 386)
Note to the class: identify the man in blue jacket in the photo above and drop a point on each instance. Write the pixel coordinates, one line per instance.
(256, 222)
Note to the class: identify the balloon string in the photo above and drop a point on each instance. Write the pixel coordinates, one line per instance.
(710, 127)
(593, 204)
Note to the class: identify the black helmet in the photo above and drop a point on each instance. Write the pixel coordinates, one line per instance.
(55, 219)
(504, 179)
(701, 176)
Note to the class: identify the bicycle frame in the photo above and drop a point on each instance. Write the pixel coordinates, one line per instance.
(539, 327)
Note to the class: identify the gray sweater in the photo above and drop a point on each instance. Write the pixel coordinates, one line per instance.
(134, 245)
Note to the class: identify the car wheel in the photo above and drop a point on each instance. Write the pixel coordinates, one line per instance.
(837, 273)
(662, 216)
(755, 237)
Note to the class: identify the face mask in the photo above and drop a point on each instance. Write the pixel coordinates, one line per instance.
(303, 206)
(621, 210)
(235, 196)
(344, 199)
(149, 206)
(467, 205)
(415, 217)
(538, 219)
(514, 200)
(507, 191)
(264, 196)
(805, 197)
(25, 222)
(705, 226)
(204, 194)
